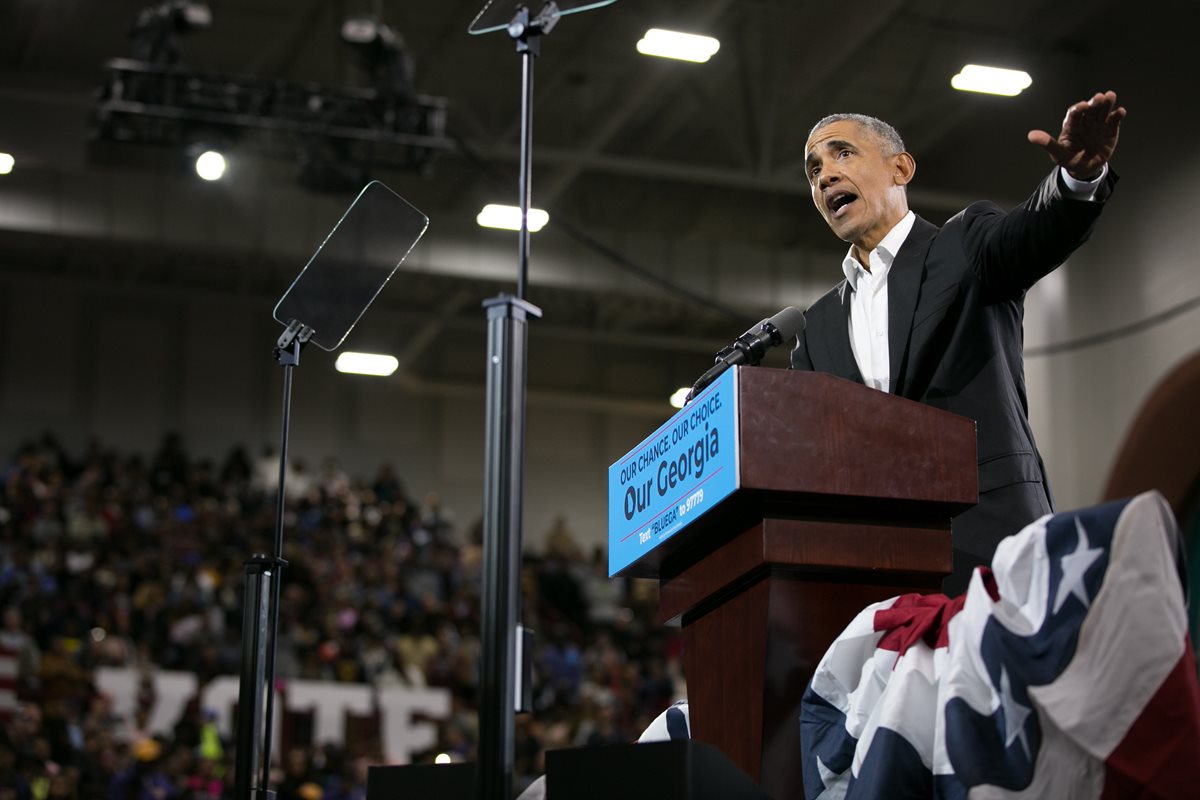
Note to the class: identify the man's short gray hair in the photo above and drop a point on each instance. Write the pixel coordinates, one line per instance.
(882, 131)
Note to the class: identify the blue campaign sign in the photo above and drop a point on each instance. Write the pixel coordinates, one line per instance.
(676, 474)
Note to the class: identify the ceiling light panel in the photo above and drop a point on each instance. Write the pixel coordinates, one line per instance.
(991, 80)
(680, 46)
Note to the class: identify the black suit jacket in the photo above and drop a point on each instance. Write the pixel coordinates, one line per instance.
(955, 308)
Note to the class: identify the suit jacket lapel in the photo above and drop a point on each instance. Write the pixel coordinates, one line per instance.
(838, 342)
(904, 288)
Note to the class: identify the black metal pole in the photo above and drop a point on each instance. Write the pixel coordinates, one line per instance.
(289, 361)
(255, 624)
(260, 617)
(528, 52)
(501, 588)
(504, 464)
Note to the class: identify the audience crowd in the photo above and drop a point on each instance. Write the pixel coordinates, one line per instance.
(111, 559)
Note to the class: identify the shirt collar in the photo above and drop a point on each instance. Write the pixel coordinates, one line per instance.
(888, 247)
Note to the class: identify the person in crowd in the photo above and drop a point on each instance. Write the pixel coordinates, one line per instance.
(395, 603)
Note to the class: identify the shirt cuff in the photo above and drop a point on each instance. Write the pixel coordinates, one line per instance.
(1082, 190)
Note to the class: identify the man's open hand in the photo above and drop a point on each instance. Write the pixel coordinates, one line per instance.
(1088, 138)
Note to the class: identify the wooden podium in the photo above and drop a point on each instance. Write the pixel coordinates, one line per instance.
(844, 498)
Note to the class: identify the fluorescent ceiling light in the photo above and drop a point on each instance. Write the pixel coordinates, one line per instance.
(509, 218)
(679, 398)
(366, 364)
(210, 165)
(991, 80)
(7, 162)
(682, 46)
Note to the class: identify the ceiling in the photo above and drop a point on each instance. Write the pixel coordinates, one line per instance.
(625, 144)
(626, 140)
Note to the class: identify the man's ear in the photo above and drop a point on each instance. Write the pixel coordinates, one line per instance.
(904, 168)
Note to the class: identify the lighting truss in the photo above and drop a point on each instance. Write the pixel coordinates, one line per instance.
(148, 104)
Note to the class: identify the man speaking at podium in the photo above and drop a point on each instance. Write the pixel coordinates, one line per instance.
(935, 314)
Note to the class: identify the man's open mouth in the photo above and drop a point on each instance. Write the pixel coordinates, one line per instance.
(838, 202)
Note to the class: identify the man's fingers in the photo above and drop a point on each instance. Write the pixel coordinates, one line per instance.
(1099, 120)
(1040, 138)
(1099, 109)
(1095, 109)
(1049, 144)
(1078, 109)
(1089, 126)
(1108, 99)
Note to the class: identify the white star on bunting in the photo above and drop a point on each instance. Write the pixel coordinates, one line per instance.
(1015, 715)
(828, 776)
(1074, 566)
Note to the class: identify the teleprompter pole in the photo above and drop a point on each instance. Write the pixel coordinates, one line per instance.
(526, 31)
(504, 463)
(260, 616)
(528, 52)
(501, 590)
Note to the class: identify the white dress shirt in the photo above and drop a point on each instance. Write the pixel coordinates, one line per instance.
(869, 294)
(869, 305)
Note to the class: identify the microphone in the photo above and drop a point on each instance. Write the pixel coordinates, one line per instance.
(751, 346)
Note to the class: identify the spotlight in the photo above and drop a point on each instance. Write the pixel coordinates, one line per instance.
(156, 31)
(679, 396)
(361, 30)
(210, 165)
(382, 54)
(7, 162)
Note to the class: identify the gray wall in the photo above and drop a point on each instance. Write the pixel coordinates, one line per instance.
(1141, 262)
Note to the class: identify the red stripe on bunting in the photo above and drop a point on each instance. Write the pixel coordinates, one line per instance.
(1159, 755)
(914, 618)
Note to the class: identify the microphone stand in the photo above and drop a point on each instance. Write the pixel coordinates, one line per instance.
(751, 346)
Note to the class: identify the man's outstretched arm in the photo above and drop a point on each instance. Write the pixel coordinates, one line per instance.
(1010, 252)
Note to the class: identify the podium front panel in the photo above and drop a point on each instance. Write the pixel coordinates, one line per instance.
(673, 476)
